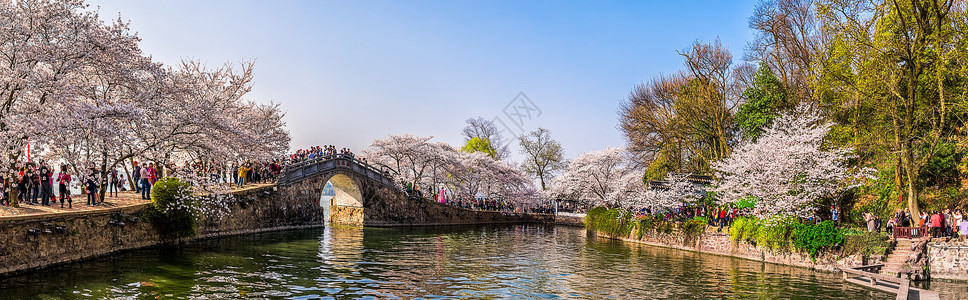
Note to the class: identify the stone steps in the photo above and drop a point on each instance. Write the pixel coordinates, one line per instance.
(898, 257)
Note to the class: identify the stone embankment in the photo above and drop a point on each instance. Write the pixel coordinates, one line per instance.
(37, 241)
(716, 241)
(948, 260)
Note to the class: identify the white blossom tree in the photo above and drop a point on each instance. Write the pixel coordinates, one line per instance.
(787, 168)
(81, 91)
(673, 192)
(420, 162)
(595, 177)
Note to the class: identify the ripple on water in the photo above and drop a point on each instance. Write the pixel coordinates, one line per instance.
(523, 261)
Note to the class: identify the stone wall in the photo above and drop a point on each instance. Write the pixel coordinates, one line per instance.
(385, 206)
(718, 242)
(348, 215)
(39, 242)
(948, 260)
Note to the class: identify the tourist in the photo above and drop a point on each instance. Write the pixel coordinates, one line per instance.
(869, 220)
(45, 175)
(964, 229)
(114, 183)
(152, 173)
(956, 217)
(136, 176)
(891, 223)
(935, 224)
(145, 184)
(835, 214)
(243, 170)
(92, 188)
(23, 187)
(34, 184)
(948, 221)
(64, 181)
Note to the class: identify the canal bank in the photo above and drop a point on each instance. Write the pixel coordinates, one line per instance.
(39, 241)
(717, 242)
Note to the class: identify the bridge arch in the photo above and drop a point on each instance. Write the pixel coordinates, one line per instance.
(346, 191)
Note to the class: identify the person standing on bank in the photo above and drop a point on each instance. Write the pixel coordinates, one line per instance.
(64, 183)
(136, 176)
(115, 181)
(145, 184)
(91, 184)
(46, 192)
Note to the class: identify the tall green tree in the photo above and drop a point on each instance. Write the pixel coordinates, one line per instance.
(477, 144)
(764, 101)
(894, 64)
(543, 155)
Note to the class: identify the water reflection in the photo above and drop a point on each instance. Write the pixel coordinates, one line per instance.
(523, 261)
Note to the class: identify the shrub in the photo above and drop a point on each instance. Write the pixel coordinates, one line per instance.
(744, 228)
(172, 209)
(813, 237)
(865, 243)
(647, 224)
(777, 232)
(618, 222)
(694, 227)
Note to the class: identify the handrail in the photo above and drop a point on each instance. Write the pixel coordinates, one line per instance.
(286, 177)
(904, 284)
(910, 232)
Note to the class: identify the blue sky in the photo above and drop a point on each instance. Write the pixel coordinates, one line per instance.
(347, 72)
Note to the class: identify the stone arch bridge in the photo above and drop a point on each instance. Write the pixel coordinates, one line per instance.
(365, 196)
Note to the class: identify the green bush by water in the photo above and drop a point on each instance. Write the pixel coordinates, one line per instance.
(744, 228)
(787, 233)
(812, 238)
(621, 222)
(172, 209)
(613, 221)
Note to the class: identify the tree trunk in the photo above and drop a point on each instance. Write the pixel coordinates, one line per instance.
(910, 172)
(130, 174)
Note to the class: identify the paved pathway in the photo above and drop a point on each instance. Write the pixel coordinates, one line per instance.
(123, 200)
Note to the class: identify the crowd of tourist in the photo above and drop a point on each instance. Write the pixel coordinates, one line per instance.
(318, 152)
(721, 216)
(939, 223)
(33, 183)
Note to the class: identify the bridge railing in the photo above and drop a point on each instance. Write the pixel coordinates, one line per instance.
(304, 169)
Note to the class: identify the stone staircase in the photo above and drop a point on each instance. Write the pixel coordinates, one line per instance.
(895, 261)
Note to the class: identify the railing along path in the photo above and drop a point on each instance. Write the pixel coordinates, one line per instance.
(305, 169)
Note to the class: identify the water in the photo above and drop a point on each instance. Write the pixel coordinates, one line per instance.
(512, 262)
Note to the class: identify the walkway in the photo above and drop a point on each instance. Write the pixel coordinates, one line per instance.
(124, 201)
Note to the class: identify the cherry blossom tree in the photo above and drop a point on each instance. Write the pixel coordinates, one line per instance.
(41, 44)
(787, 168)
(81, 91)
(594, 177)
(633, 193)
(419, 162)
